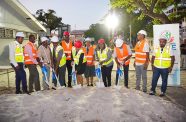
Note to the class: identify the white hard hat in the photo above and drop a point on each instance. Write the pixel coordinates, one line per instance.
(54, 39)
(119, 42)
(165, 35)
(87, 39)
(20, 34)
(56, 32)
(44, 39)
(142, 32)
(52, 31)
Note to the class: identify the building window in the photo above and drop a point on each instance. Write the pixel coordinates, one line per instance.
(6, 33)
(2, 33)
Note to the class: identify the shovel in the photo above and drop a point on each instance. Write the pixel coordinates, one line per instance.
(54, 76)
(44, 70)
(99, 84)
(120, 74)
(74, 79)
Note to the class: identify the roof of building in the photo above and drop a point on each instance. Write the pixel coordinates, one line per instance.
(26, 14)
(77, 32)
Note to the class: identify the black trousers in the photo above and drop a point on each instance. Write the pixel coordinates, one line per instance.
(69, 69)
(126, 75)
(33, 77)
(106, 75)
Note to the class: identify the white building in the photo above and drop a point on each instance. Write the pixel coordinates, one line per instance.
(180, 9)
(15, 17)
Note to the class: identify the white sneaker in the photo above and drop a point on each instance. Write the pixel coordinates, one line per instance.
(61, 87)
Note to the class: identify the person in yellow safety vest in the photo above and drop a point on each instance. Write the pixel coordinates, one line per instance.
(59, 62)
(162, 64)
(141, 59)
(104, 55)
(79, 60)
(17, 62)
(122, 54)
(90, 68)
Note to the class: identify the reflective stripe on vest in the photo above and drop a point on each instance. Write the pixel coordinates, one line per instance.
(89, 56)
(140, 56)
(103, 56)
(77, 56)
(67, 49)
(34, 53)
(19, 57)
(122, 55)
(162, 60)
(58, 48)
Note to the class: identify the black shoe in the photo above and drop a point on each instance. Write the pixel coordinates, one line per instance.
(91, 85)
(162, 94)
(70, 86)
(88, 85)
(53, 88)
(137, 89)
(26, 92)
(145, 91)
(18, 92)
(152, 93)
(31, 91)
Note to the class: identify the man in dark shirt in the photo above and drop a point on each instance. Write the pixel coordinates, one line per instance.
(183, 54)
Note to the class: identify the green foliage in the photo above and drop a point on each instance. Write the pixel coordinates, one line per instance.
(48, 19)
(152, 8)
(97, 31)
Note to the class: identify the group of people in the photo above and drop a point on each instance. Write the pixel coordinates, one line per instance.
(65, 54)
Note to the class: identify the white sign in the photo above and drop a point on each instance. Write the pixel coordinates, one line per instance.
(172, 33)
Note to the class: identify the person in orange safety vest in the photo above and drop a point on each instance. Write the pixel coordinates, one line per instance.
(31, 61)
(122, 54)
(90, 68)
(141, 59)
(67, 47)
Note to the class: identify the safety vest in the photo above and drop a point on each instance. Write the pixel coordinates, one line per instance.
(122, 55)
(58, 48)
(162, 60)
(67, 49)
(140, 56)
(19, 57)
(103, 56)
(90, 55)
(77, 56)
(34, 53)
(94, 46)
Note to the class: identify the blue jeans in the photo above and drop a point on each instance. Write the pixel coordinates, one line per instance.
(20, 75)
(156, 74)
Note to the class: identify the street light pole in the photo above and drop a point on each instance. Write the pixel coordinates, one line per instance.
(130, 34)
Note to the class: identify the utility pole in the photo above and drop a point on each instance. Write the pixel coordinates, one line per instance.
(130, 34)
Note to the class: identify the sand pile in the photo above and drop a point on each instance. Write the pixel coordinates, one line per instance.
(88, 104)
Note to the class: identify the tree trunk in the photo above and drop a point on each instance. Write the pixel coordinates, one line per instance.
(162, 17)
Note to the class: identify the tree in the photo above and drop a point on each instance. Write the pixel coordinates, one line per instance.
(126, 19)
(48, 19)
(97, 31)
(151, 8)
